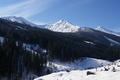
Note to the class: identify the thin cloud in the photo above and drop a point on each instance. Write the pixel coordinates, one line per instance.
(27, 8)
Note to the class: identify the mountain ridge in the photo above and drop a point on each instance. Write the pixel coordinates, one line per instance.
(62, 25)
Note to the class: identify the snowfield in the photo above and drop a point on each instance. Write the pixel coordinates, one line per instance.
(81, 75)
(109, 71)
(82, 64)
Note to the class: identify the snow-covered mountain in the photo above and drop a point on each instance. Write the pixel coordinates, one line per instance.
(19, 20)
(59, 26)
(63, 26)
(99, 28)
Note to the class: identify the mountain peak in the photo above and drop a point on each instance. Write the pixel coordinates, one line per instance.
(100, 28)
(63, 26)
(19, 20)
(14, 18)
(62, 21)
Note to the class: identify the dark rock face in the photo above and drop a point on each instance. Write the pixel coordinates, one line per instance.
(90, 73)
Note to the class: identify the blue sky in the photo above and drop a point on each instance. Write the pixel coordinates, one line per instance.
(89, 13)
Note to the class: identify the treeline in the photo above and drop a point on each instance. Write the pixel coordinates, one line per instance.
(15, 61)
(69, 52)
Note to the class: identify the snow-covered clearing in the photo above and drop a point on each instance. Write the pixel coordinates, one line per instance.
(108, 72)
(83, 63)
(78, 70)
(81, 75)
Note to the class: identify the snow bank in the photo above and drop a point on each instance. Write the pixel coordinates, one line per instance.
(81, 75)
(99, 74)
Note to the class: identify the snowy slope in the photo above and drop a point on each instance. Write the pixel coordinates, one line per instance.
(81, 75)
(99, 28)
(112, 41)
(113, 73)
(19, 20)
(63, 26)
(84, 63)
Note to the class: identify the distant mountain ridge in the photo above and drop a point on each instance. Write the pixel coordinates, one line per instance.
(59, 26)
(99, 28)
(19, 20)
(83, 41)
